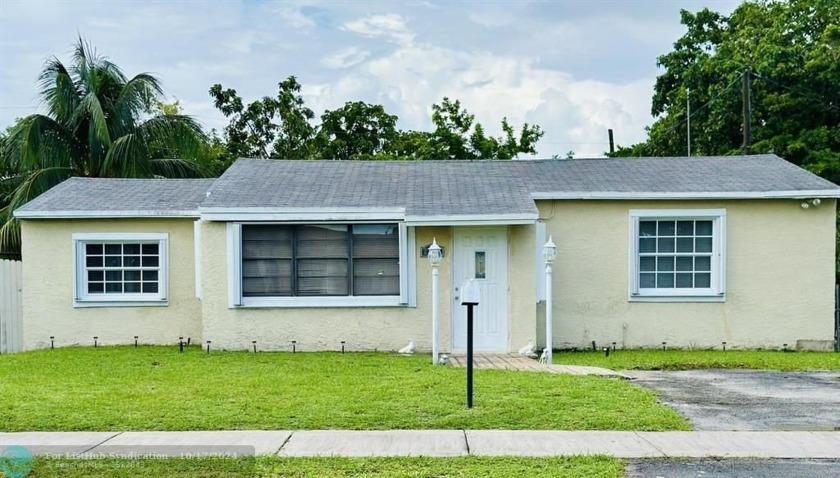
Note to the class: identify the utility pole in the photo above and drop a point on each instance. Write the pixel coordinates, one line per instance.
(612, 143)
(747, 113)
(688, 119)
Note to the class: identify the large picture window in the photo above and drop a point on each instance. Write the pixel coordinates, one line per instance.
(677, 253)
(319, 260)
(114, 268)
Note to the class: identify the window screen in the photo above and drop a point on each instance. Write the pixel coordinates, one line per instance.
(320, 260)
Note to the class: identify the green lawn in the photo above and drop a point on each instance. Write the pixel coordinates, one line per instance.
(655, 359)
(156, 388)
(571, 467)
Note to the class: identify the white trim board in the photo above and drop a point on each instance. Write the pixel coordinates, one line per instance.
(319, 215)
(615, 195)
(541, 237)
(119, 236)
(473, 220)
(103, 214)
(320, 302)
(197, 256)
(302, 214)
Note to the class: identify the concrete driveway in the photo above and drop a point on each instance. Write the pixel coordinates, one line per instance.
(749, 399)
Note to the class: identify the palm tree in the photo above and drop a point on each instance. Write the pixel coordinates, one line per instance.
(98, 123)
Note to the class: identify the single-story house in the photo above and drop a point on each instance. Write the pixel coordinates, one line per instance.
(691, 251)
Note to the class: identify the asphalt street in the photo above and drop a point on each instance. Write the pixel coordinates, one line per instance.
(711, 468)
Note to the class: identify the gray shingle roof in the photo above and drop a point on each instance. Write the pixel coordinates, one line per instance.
(423, 188)
(435, 188)
(711, 174)
(154, 197)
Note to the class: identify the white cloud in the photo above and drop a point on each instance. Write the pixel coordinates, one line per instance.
(491, 18)
(575, 114)
(532, 61)
(391, 26)
(345, 58)
(293, 17)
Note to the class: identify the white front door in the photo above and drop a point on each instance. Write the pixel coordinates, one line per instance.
(481, 253)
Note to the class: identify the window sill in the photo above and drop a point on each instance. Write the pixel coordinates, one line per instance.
(323, 302)
(84, 304)
(678, 298)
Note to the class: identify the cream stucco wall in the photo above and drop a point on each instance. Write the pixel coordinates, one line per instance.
(48, 309)
(522, 292)
(780, 277)
(362, 328)
(48, 264)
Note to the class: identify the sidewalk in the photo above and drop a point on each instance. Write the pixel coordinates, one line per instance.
(441, 443)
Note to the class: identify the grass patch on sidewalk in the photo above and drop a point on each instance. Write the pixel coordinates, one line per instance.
(415, 467)
(654, 359)
(157, 388)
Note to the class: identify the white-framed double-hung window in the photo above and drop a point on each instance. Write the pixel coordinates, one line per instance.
(677, 254)
(113, 269)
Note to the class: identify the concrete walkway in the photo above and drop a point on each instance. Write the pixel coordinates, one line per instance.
(527, 364)
(441, 443)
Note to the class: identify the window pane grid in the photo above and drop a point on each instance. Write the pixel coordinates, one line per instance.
(675, 254)
(122, 268)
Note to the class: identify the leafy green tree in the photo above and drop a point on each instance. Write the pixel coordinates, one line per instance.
(458, 136)
(269, 128)
(282, 128)
(410, 145)
(6, 172)
(212, 156)
(357, 130)
(97, 125)
(790, 53)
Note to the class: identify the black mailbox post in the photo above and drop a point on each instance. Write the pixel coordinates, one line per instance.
(470, 296)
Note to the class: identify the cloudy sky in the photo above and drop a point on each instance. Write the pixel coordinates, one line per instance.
(574, 67)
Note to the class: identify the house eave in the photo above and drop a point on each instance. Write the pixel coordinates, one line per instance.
(473, 220)
(623, 196)
(136, 214)
(302, 214)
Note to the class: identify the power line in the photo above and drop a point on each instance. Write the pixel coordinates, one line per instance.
(800, 93)
(574, 142)
(690, 114)
(698, 110)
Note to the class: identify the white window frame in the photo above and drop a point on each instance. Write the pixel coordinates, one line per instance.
(716, 292)
(407, 261)
(82, 298)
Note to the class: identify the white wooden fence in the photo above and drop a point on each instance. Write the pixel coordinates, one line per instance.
(11, 307)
